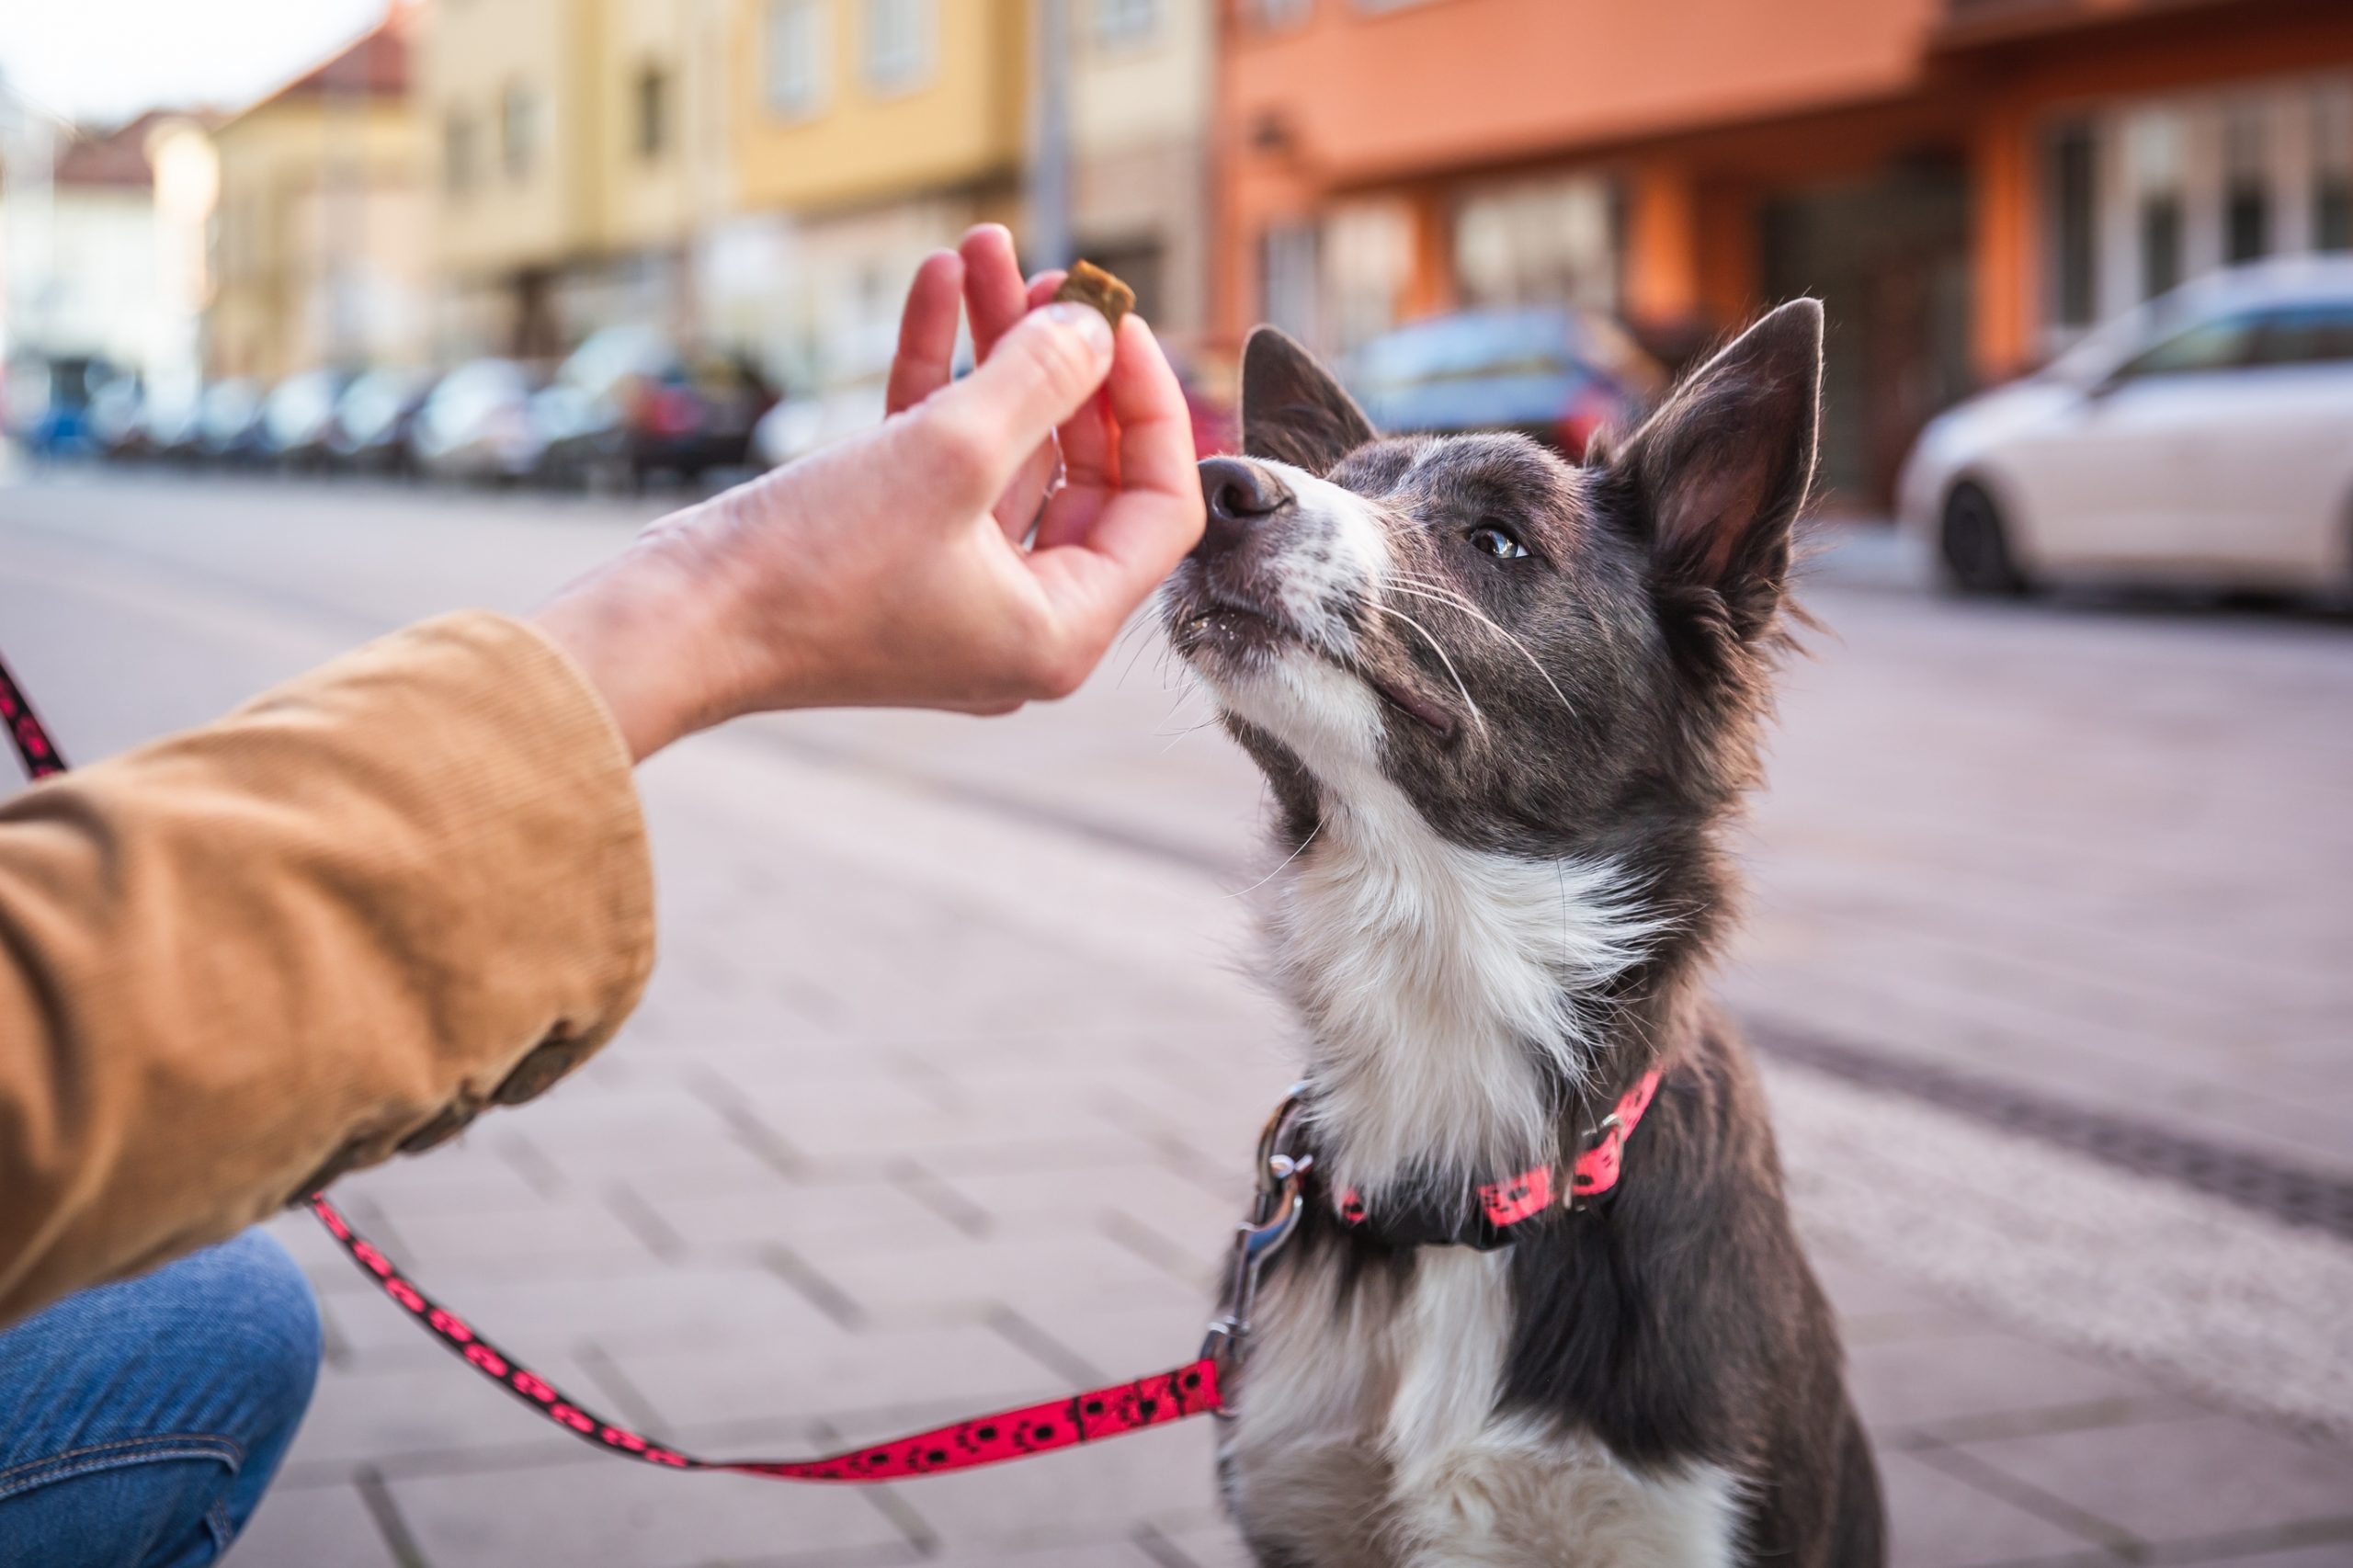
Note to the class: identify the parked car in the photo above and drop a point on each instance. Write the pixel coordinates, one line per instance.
(375, 418)
(477, 425)
(169, 422)
(297, 419)
(1556, 374)
(116, 411)
(2206, 439)
(45, 403)
(228, 423)
(799, 426)
(629, 403)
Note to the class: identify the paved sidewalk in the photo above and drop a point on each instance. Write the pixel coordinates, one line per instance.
(941, 1095)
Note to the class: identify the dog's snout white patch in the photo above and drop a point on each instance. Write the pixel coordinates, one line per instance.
(1334, 556)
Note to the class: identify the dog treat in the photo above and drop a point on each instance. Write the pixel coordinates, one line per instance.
(1090, 285)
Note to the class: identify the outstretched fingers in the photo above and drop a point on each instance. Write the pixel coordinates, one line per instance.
(925, 358)
(1100, 551)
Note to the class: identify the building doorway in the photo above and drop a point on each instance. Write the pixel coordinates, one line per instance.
(1889, 259)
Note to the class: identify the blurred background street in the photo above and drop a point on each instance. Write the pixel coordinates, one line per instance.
(943, 1092)
(317, 316)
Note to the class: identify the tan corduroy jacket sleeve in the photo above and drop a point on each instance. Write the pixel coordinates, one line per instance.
(334, 925)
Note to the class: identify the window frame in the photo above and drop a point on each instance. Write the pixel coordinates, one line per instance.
(817, 96)
(892, 76)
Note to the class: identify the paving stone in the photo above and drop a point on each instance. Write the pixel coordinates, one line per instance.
(822, 1373)
(831, 1220)
(2324, 1554)
(687, 1303)
(601, 1513)
(1937, 1520)
(966, 1278)
(1215, 1545)
(312, 1527)
(1111, 1551)
(1911, 1383)
(577, 1233)
(2183, 1481)
(410, 1409)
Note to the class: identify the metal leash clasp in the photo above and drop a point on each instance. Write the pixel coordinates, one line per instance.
(1275, 1207)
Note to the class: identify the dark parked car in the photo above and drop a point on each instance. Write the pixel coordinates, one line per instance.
(631, 403)
(478, 424)
(168, 424)
(374, 419)
(1558, 375)
(228, 423)
(299, 419)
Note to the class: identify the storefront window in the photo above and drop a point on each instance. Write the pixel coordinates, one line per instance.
(2070, 164)
(2332, 168)
(1287, 263)
(2155, 146)
(1538, 242)
(2246, 194)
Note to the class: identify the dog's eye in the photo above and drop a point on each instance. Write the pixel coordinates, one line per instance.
(1496, 541)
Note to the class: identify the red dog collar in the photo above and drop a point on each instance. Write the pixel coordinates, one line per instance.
(1503, 1204)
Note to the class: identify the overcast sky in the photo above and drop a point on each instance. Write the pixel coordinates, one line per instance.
(105, 60)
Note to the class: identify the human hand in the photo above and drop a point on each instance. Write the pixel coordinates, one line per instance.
(890, 569)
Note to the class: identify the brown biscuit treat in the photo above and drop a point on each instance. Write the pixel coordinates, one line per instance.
(1090, 285)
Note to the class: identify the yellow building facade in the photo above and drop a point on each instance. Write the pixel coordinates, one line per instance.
(320, 255)
(581, 148)
(865, 133)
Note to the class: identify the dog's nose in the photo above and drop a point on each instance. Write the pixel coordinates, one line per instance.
(1240, 496)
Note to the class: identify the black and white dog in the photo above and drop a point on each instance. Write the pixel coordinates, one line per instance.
(1508, 706)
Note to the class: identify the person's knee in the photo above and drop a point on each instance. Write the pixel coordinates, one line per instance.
(265, 1326)
(156, 1411)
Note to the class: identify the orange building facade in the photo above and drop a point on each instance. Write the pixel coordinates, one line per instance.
(1967, 184)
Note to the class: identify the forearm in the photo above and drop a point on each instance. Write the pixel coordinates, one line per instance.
(336, 924)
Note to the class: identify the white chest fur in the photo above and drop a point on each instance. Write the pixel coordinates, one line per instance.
(1439, 983)
(1368, 1437)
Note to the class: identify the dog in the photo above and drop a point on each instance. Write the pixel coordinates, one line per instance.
(1506, 706)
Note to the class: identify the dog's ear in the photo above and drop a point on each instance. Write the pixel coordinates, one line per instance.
(1292, 411)
(1717, 476)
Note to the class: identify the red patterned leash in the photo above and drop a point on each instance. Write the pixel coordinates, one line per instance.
(1190, 1390)
(1193, 1389)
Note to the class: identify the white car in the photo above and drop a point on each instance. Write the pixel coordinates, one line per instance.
(2206, 439)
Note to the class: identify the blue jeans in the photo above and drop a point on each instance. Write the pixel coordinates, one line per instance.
(140, 1422)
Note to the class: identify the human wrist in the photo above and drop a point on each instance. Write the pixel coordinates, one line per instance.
(650, 632)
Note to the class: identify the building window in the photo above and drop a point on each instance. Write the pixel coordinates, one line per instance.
(1282, 16)
(800, 57)
(1123, 24)
(898, 44)
(2072, 171)
(652, 112)
(1286, 279)
(459, 151)
(2155, 144)
(2247, 191)
(518, 129)
(2333, 168)
(1541, 241)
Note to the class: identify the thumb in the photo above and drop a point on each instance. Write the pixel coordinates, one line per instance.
(1040, 373)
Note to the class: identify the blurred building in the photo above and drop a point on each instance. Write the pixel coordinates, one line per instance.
(320, 253)
(1966, 183)
(867, 133)
(101, 243)
(1142, 75)
(582, 149)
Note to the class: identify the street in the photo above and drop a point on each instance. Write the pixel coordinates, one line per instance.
(942, 1094)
